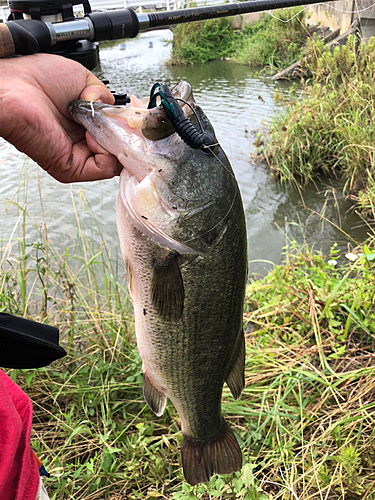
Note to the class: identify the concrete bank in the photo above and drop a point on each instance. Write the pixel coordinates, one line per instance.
(341, 14)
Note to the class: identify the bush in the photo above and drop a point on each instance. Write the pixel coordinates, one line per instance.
(271, 42)
(206, 41)
(331, 129)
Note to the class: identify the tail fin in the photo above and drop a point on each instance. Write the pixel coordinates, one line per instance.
(201, 459)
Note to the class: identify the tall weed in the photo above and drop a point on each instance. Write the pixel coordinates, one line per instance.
(267, 42)
(272, 41)
(331, 129)
(202, 41)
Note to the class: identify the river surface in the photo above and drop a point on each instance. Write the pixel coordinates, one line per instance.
(238, 103)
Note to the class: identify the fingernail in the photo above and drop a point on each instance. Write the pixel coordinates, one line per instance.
(91, 96)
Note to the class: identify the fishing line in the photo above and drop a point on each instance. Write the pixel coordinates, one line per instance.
(348, 11)
(209, 146)
(288, 20)
(193, 110)
(218, 159)
(206, 146)
(234, 197)
(218, 224)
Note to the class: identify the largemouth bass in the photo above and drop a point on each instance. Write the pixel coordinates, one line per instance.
(182, 233)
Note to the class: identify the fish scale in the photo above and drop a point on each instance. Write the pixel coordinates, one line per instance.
(204, 319)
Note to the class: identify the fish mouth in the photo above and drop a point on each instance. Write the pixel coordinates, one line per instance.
(134, 134)
(137, 135)
(134, 118)
(125, 117)
(118, 129)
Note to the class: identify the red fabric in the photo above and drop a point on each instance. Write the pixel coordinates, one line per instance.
(19, 477)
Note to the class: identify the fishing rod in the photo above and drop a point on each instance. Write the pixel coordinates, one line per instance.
(51, 26)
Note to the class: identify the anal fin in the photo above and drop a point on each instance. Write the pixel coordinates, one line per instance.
(236, 378)
(154, 398)
(200, 460)
(167, 288)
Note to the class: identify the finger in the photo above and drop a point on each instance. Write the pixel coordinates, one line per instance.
(96, 90)
(82, 165)
(106, 167)
(88, 167)
(94, 146)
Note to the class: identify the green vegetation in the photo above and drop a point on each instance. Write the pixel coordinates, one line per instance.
(306, 419)
(202, 41)
(268, 42)
(331, 129)
(272, 41)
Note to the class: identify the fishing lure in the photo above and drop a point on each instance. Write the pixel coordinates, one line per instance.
(182, 125)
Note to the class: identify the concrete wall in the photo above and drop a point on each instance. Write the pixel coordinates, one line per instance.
(333, 17)
(369, 13)
(367, 18)
(244, 19)
(319, 14)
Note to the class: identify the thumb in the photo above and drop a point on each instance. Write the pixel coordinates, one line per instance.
(96, 90)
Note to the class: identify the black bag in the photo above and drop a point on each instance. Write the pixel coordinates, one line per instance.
(27, 344)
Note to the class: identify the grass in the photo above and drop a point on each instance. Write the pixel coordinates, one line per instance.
(268, 42)
(331, 130)
(315, 321)
(202, 41)
(272, 41)
(306, 419)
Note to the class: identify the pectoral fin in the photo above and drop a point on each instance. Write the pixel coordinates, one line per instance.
(236, 377)
(154, 398)
(167, 288)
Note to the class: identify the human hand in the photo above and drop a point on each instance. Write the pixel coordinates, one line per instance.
(35, 92)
